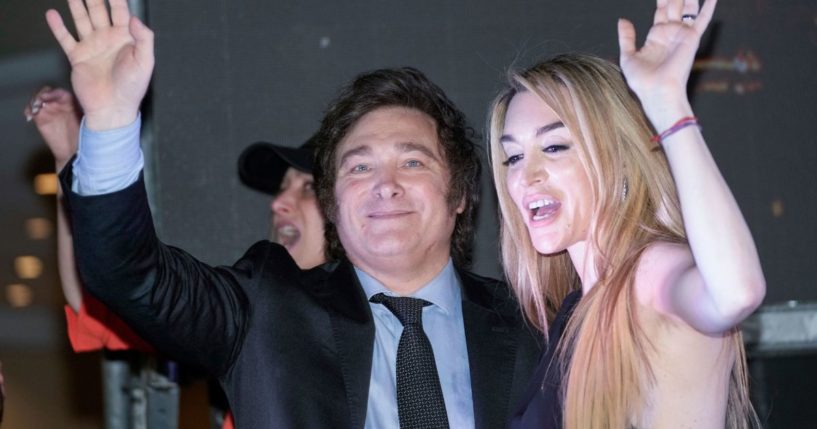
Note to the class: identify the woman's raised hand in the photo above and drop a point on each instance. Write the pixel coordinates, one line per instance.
(658, 72)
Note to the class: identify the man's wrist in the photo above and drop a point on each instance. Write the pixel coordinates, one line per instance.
(107, 161)
(110, 119)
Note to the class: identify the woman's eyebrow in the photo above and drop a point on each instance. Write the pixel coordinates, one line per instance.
(507, 138)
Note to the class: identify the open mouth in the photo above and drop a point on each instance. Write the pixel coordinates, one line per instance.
(287, 235)
(543, 209)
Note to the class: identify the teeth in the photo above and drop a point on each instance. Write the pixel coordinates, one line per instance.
(539, 203)
(544, 208)
(287, 231)
(287, 235)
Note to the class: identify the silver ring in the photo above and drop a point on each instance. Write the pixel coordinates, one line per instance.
(688, 17)
(36, 104)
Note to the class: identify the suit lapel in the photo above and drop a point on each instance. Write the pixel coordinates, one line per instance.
(353, 331)
(491, 354)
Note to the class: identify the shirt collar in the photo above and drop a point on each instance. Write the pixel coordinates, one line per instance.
(443, 290)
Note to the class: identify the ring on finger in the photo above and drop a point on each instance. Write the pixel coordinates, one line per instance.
(688, 18)
(36, 105)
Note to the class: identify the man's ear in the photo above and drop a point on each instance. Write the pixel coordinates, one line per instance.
(461, 205)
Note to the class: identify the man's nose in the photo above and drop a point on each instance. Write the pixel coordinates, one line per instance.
(388, 184)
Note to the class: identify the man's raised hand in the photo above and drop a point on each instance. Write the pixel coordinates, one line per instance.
(111, 62)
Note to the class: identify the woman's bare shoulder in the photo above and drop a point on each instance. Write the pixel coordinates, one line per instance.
(659, 268)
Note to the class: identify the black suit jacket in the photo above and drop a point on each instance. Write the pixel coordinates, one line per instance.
(292, 348)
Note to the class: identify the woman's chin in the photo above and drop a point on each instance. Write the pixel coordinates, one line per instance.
(547, 248)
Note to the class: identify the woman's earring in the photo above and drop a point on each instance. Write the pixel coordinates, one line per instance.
(624, 190)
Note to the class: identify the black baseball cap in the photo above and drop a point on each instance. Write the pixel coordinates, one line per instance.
(262, 165)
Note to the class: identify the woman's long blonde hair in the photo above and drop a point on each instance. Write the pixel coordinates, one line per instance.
(636, 204)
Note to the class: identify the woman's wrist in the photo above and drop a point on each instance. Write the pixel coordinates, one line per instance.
(679, 125)
(664, 113)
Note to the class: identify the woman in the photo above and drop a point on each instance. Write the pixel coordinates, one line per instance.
(665, 268)
(91, 326)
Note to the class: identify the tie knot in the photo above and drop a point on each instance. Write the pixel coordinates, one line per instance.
(407, 310)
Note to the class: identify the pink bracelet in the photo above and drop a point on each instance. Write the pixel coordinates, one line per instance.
(681, 124)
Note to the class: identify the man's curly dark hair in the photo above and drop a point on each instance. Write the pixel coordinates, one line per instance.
(402, 87)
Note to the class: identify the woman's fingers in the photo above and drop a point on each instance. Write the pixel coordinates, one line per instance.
(626, 37)
(660, 12)
(705, 15)
(675, 10)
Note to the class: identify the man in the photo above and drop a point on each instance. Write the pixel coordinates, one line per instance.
(338, 345)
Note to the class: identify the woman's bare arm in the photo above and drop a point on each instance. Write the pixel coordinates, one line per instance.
(56, 116)
(721, 282)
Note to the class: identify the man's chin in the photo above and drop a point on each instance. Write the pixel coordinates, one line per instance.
(391, 248)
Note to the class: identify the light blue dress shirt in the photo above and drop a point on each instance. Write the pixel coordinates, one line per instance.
(110, 161)
(443, 324)
(107, 161)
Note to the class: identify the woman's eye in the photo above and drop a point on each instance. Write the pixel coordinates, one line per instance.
(413, 163)
(309, 188)
(360, 168)
(556, 148)
(513, 159)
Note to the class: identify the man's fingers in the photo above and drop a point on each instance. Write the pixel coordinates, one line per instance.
(64, 38)
(98, 13)
(80, 16)
(626, 37)
(144, 41)
(120, 15)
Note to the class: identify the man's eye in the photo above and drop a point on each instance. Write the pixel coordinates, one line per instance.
(360, 168)
(413, 163)
(513, 159)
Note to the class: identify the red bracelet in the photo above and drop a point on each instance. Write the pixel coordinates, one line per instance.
(681, 124)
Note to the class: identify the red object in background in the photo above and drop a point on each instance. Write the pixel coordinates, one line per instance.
(94, 328)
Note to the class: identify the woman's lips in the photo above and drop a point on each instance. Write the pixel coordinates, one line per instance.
(287, 234)
(542, 209)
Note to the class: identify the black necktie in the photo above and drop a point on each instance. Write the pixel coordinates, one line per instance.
(420, 402)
